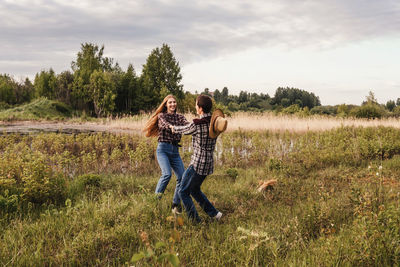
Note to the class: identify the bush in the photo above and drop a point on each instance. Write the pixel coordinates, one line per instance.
(368, 111)
(62, 108)
(29, 177)
(232, 106)
(232, 173)
(85, 183)
(291, 109)
(41, 184)
(89, 180)
(4, 105)
(8, 203)
(396, 111)
(324, 110)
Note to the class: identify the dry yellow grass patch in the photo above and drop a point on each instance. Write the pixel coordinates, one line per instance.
(264, 121)
(270, 121)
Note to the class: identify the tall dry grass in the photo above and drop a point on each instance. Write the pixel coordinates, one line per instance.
(263, 121)
(270, 121)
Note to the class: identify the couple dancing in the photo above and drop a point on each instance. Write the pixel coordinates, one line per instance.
(169, 127)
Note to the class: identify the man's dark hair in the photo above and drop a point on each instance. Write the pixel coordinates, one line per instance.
(205, 102)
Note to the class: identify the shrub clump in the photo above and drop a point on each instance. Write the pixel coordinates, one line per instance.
(85, 183)
(232, 173)
(369, 111)
(29, 178)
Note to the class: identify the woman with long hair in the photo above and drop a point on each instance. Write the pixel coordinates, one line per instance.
(168, 146)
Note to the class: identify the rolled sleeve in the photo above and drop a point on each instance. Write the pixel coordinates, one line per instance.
(185, 129)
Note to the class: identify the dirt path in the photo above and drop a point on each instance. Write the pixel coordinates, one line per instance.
(29, 127)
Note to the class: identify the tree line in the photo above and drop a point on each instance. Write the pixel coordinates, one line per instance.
(100, 87)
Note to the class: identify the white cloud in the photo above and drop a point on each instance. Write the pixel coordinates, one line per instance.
(47, 33)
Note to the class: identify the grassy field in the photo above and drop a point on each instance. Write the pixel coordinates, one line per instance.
(88, 199)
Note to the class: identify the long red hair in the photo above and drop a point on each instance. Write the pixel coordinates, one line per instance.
(151, 128)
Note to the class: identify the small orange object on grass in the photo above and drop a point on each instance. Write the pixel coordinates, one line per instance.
(266, 185)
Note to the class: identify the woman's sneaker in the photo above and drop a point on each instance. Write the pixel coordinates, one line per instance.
(176, 208)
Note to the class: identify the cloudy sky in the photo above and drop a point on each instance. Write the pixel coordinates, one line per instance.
(338, 49)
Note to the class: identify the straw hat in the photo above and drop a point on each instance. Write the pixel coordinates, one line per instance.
(218, 123)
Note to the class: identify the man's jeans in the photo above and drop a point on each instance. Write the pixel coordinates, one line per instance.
(168, 158)
(190, 186)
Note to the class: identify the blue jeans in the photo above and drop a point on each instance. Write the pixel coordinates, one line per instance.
(190, 186)
(168, 158)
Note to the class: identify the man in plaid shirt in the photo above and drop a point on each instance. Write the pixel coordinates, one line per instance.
(202, 162)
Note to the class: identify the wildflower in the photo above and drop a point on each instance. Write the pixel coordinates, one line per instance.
(380, 167)
(144, 236)
(369, 167)
(377, 174)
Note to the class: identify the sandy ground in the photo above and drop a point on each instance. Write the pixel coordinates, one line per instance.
(26, 127)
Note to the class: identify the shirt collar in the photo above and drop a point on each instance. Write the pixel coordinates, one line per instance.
(205, 115)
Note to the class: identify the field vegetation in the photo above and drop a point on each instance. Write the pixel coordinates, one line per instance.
(87, 199)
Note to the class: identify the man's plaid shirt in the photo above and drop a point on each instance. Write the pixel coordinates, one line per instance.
(164, 132)
(203, 146)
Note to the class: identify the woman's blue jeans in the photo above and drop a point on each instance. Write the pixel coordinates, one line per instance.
(169, 159)
(190, 186)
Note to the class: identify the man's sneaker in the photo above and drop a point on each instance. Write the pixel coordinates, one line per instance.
(218, 216)
(176, 208)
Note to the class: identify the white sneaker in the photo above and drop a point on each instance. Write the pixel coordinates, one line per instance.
(218, 216)
(176, 209)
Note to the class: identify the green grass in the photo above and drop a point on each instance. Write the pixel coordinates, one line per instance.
(324, 211)
(39, 109)
(312, 220)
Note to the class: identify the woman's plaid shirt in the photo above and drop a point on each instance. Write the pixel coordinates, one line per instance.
(164, 132)
(203, 146)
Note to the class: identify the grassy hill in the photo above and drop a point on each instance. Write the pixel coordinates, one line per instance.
(39, 109)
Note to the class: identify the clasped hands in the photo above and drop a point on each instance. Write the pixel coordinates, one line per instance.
(172, 128)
